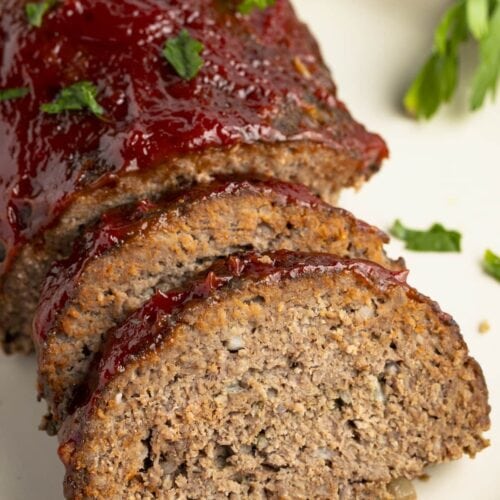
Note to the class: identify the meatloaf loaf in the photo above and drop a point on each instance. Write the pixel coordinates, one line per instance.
(133, 251)
(262, 101)
(281, 375)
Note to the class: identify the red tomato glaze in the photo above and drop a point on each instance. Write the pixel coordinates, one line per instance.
(249, 80)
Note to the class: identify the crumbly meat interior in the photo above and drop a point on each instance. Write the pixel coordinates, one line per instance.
(319, 387)
(177, 246)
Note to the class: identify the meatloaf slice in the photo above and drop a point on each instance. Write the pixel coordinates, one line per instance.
(281, 375)
(133, 251)
(262, 102)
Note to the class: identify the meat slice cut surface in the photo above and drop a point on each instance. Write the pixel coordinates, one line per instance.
(275, 375)
(134, 251)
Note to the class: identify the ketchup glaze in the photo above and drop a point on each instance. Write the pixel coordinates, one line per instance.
(263, 80)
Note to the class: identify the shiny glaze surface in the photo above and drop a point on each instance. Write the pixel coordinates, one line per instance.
(150, 326)
(263, 81)
(118, 225)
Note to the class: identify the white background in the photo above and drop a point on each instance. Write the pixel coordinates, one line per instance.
(447, 170)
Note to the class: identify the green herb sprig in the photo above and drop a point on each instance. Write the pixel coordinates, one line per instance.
(35, 11)
(248, 6)
(13, 93)
(491, 264)
(76, 97)
(437, 81)
(435, 239)
(183, 53)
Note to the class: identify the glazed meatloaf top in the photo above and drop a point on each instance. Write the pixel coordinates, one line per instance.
(275, 375)
(262, 81)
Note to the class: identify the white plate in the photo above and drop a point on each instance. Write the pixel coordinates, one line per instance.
(447, 170)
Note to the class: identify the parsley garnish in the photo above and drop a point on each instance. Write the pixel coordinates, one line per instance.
(36, 11)
(247, 6)
(491, 264)
(79, 96)
(183, 53)
(486, 76)
(436, 239)
(14, 93)
(437, 81)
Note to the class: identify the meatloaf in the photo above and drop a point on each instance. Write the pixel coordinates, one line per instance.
(263, 101)
(280, 375)
(117, 265)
